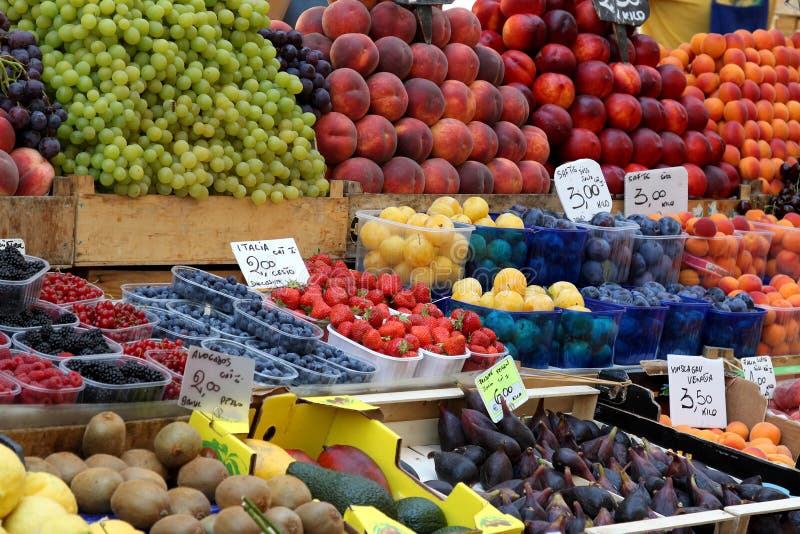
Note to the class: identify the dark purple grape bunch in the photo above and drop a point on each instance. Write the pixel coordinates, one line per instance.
(23, 95)
(788, 199)
(307, 64)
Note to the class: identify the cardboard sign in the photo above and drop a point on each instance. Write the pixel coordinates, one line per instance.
(502, 380)
(270, 263)
(696, 391)
(657, 191)
(582, 189)
(18, 243)
(629, 12)
(219, 384)
(759, 369)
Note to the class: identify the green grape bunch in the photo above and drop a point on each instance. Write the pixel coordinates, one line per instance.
(178, 97)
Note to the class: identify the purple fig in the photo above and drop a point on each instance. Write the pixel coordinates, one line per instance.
(665, 502)
(656, 453)
(603, 518)
(538, 415)
(634, 507)
(640, 468)
(526, 464)
(703, 498)
(564, 434)
(606, 450)
(474, 400)
(546, 437)
(496, 468)
(558, 507)
(603, 481)
(729, 498)
(512, 426)
(547, 477)
(477, 418)
(476, 454)
(703, 481)
(451, 434)
(566, 457)
(544, 451)
(591, 498)
(488, 439)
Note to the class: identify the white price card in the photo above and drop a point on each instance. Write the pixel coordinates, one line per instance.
(18, 243)
(219, 384)
(657, 191)
(582, 189)
(502, 380)
(696, 391)
(270, 263)
(759, 369)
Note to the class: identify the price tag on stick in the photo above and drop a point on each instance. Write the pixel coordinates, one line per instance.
(219, 384)
(582, 189)
(759, 369)
(501, 381)
(627, 12)
(17, 243)
(657, 191)
(696, 391)
(270, 263)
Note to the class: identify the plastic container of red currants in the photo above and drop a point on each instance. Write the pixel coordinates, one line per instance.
(683, 327)
(492, 249)
(438, 365)
(9, 390)
(66, 289)
(269, 370)
(206, 288)
(122, 334)
(19, 295)
(19, 367)
(143, 381)
(53, 311)
(740, 331)
(173, 361)
(388, 368)
(608, 251)
(156, 295)
(586, 340)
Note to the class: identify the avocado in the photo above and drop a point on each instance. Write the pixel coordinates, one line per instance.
(343, 489)
(420, 515)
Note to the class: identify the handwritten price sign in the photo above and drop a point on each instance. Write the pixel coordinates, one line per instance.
(630, 12)
(501, 381)
(270, 263)
(696, 391)
(220, 384)
(582, 189)
(759, 369)
(17, 243)
(657, 191)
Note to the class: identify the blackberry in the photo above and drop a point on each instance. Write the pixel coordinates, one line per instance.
(33, 318)
(49, 340)
(14, 266)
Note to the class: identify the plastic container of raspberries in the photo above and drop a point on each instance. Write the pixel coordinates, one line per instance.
(281, 330)
(38, 394)
(5, 341)
(54, 311)
(173, 326)
(388, 368)
(147, 380)
(19, 340)
(162, 358)
(189, 283)
(156, 295)
(270, 371)
(19, 295)
(9, 389)
(222, 323)
(129, 333)
(310, 368)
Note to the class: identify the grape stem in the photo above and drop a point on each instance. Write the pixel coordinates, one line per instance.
(6, 79)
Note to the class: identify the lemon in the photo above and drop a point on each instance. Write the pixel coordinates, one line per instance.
(48, 485)
(508, 300)
(511, 279)
(394, 214)
(422, 275)
(460, 217)
(12, 480)
(486, 221)
(487, 300)
(112, 526)
(475, 208)
(539, 302)
(533, 290)
(391, 250)
(30, 513)
(407, 212)
(374, 263)
(467, 296)
(271, 460)
(569, 297)
(373, 233)
(579, 308)
(418, 219)
(467, 284)
(558, 287)
(509, 220)
(418, 251)
(65, 524)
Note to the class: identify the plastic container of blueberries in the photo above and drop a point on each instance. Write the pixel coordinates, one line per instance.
(188, 324)
(9, 397)
(320, 323)
(30, 394)
(245, 320)
(305, 376)
(115, 349)
(98, 392)
(209, 314)
(389, 368)
(288, 372)
(155, 357)
(221, 301)
(129, 294)
(19, 295)
(350, 375)
(53, 310)
(130, 333)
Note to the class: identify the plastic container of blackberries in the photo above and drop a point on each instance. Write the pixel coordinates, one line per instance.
(438, 365)
(190, 332)
(246, 319)
(18, 339)
(19, 295)
(133, 293)
(607, 253)
(706, 260)
(305, 376)
(157, 357)
(210, 316)
(33, 394)
(683, 327)
(640, 330)
(100, 392)
(9, 389)
(555, 254)
(740, 331)
(492, 249)
(53, 310)
(188, 288)
(280, 373)
(130, 333)
(656, 258)
(388, 368)
(586, 340)
(478, 361)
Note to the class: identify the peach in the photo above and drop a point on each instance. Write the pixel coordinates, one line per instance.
(429, 63)
(535, 178)
(717, 183)
(698, 149)
(484, 142)
(492, 40)
(377, 139)
(8, 137)
(650, 81)
(589, 47)
(507, 176)
(9, 175)
(565, 5)
(336, 137)
(512, 143)
(555, 58)
(462, 62)
(459, 102)
(562, 27)
(616, 147)
(729, 91)
(673, 81)
(676, 119)
(626, 79)
(697, 112)
(751, 90)
(513, 7)
(673, 149)
(615, 52)
(697, 179)
(594, 78)
(310, 20)
(615, 178)
(634, 167)
(581, 143)
(588, 112)
(538, 148)
(388, 96)
(403, 175)
(623, 111)
(465, 28)
(555, 121)
(425, 100)
(653, 114)
(452, 141)
(440, 29)
(647, 50)
(492, 67)
(476, 178)
(525, 32)
(518, 68)
(717, 145)
(280, 25)
(362, 170)
(587, 20)
(488, 102)
(515, 106)
(414, 139)
(647, 147)
(528, 94)
(553, 88)
(345, 16)
(354, 51)
(389, 18)
(317, 41)
(394, 55)
(441, 178)
(349, 93)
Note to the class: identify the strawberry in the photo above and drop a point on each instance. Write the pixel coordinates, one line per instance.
(413, 341)
(436, 349)
(324, 258)
(365, 280)
(430, 322)
(360, 327)
(479, 339)
(397, 347)
(392, 329)
(404, 311)
(378, 314)
(375, 296)
(423, 333)
(340, 313)
(320, 310)
(372, 340)
(499, 347)
(446, 322)
(344, 282)
(416, 319)
(405, 322)
(455, 345)
(490, 333)
(422, 293)
(358, 304)
(428, 309)
(440, 334)
(404, 299)
(482, 350)
(288, 297)
(311, 294)
(318, 279)
(335, 295)
(339, 265)
(465, 321)
(389, 284)
(345, 328)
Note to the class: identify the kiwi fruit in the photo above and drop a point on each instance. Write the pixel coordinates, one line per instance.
(208, 523)
(320, 518)
(140, 502)
(105, 460)
(288, 491)
(34, 464)
(234, 520)
(140, 473)
(177, 444)
(285, 520)
(93, 488)
(177, 524)
(145, 459)
(105, 433)
(68, 463)
(189, 501)
(231, 490)
(203, 474)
